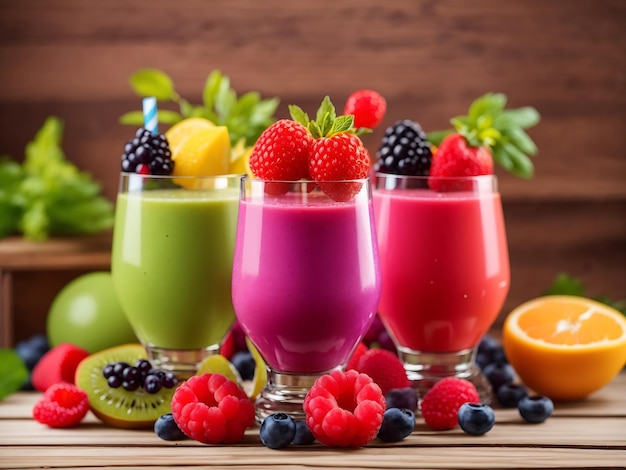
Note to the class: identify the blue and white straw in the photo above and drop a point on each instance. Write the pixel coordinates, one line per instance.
(150, 117)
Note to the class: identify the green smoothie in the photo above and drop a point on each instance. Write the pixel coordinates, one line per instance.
(172, 264)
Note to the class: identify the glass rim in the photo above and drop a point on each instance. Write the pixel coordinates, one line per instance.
(305, 181)
(442, 178)
(130, 174)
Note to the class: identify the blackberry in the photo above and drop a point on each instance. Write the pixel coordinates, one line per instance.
(147, 150)
(404, 150)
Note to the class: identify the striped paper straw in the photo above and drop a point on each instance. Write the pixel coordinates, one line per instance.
(150, 117)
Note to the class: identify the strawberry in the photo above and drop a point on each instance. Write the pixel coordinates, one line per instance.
(337, 153)
(281, 152)
(368, 108)
(57, 365)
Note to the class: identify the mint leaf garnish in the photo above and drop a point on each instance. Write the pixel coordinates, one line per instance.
(564, 284)
(13, 372)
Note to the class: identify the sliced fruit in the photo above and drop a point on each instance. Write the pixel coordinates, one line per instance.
(240, 160)
(565, 347)
(259, 381)
(204, 153)
(116, 406)
(178, 134)
(218, 364)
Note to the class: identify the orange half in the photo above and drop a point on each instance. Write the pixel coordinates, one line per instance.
(565, 347)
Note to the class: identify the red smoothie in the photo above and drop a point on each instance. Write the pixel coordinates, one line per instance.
(306, 279)
(445, 267)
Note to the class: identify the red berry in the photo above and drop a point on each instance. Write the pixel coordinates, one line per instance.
(353, 362)
(281, 152)
(332, 160)
(229, 345)
(344, 409)
(57, 365)
(212, 409)
(441, 403)
(385, 369)
(368, 108)
(456, 157)
(62, 405)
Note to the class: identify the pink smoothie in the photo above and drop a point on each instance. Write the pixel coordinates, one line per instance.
(445, 266)
(306, 280)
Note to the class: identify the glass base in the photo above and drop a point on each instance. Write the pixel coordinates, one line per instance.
(424, 369)
(181, 362)
(284, 393)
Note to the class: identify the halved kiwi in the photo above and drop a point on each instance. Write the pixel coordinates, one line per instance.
(116, 406)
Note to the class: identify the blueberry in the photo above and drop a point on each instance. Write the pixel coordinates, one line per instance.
(108, 371)
(476, 418)
(152, 383)
(489, 350)
(397, 424)
(166, 428)
(510, 394)
(169, 380)
(402, 398)
(277, 430)
(536, 408)
(303, 436)
(131, 373)
(143, 365)
(32, 349)
(498, 374)
(244, 363)
(487, 345)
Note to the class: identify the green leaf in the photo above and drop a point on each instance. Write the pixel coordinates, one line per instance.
(168, 117)
(153, 82)
(13, 372)
(522, 165)
(521, 117)
(436, 137)
(502, 157)
(298, 115)
(186, 109)
(212, 88)
(325, 111)
(342, 124)
(521, 140)
(133, 118)
(564, 284)
(246, 104)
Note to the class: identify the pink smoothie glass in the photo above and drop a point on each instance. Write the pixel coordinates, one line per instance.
(306, 282)
(445, 266)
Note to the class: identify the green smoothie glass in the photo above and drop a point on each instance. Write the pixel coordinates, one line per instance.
(172, 258)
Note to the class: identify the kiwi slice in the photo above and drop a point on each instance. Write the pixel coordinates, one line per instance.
(116, 406)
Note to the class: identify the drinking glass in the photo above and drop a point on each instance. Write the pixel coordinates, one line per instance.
(306, 282)
(172, 256)
(445, 266)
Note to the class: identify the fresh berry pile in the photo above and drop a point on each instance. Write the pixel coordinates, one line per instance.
(62, 405)
(147, 154)
(132, 377)
(211, 409)
(327, 150)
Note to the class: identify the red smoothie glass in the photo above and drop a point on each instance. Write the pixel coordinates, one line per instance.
(306, 282)
(445, 265)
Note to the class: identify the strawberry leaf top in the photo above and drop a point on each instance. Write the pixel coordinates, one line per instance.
(326, 123)
(488, 123)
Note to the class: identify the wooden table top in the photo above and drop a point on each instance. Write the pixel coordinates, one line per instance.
(586, 434)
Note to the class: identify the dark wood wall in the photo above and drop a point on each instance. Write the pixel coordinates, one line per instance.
(430, 58)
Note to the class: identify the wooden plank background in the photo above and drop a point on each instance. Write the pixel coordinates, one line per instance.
(430, 58)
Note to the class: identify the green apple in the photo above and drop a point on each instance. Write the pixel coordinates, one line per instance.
(87, 313)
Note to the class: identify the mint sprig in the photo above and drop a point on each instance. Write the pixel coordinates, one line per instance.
(326, 122)
(489, 123)
(246, 116)
(564, 284)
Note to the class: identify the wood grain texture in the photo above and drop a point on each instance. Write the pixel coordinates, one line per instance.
(584, 434)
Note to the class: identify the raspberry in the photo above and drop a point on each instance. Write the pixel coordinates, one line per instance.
(212, 409)
(357, 354)
(281, 152)
(57, 365)
(368, 108)
(62, 405)
(441, 403)
(344, 409)
(385, 369)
